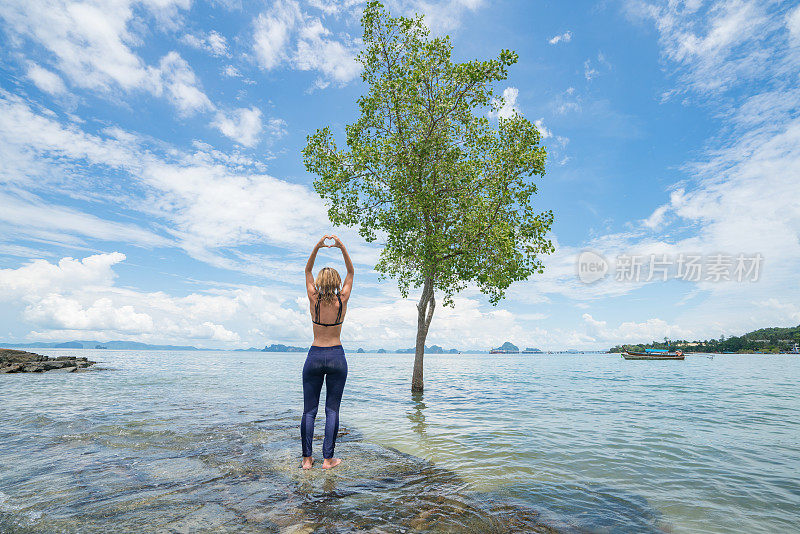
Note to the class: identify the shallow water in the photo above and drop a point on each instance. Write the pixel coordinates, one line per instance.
(188, 441)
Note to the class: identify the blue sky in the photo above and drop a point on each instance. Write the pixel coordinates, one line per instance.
(153, 187)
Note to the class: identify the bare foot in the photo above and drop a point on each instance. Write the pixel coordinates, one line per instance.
(308, 461)
(328, 463)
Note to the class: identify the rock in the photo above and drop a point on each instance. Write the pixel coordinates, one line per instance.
(12, 368)
(20, 361)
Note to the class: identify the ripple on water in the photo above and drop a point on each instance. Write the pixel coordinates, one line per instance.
(243, 477)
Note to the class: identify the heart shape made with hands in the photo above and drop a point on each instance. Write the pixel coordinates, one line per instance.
(325, 242)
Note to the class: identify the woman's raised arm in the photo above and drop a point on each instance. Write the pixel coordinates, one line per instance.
(310, 289)
(347, 286)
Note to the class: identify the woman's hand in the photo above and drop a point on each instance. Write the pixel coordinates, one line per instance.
(322, 244)
(336, 242)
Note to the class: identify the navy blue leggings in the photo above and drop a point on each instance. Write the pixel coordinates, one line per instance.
(329, 364)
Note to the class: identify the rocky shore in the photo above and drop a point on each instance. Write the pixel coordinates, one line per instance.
(19, 361)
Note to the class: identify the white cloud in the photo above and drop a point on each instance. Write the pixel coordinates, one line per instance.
(286, 35)
(650, 330)
(276, 128)
(785, 311)
(440, 17)
(336, 7)
(195, 41)
(793, 23)
(567, 102)
(231, 72)
(40, 277)
(543, 130)
(718, 45)
(212, 42)
(21, 251)
(30, 216)
(61, 313)
(316, 50)
(47, 81)
(243, 125)
(273, 32)
(564, 37)
(589, 72)
(506, 106)
(655, 220)
(181, 85)
(79, 298)
(212, 206)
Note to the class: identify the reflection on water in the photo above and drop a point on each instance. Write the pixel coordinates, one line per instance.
(417, 416)
(209, 441)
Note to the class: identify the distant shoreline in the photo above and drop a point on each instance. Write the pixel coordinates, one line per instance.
(774, 340)
(277, 347)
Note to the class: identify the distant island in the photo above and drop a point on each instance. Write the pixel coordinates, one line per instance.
(433, 349)
(506, 348)
(283, 348)
(764, 340)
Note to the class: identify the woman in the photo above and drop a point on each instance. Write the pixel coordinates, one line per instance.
(327, 298)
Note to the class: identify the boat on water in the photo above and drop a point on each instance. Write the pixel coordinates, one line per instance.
(653, 354)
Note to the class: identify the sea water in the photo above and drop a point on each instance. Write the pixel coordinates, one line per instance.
(164, 441)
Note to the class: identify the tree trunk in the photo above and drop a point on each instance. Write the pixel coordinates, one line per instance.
(424, 315)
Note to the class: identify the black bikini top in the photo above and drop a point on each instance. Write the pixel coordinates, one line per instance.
(338, 314)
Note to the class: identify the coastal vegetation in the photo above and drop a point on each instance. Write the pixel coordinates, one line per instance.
(765, 340)
(425, 171)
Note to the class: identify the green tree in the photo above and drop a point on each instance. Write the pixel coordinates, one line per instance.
(450, 196)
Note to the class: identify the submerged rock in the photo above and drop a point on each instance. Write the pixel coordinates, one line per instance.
(19, 361)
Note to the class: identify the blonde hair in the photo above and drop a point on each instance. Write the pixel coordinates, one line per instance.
(327, 284)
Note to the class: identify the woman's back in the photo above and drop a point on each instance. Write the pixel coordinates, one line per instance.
(324, 316)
